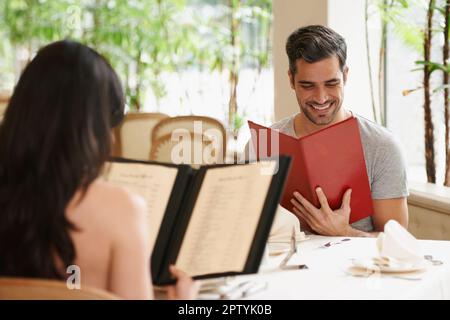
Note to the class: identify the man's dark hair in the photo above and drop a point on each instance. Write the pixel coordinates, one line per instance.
(315, 43)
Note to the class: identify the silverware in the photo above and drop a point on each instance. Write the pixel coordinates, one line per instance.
(255, 289)
(292, 250)
(407, 278)
(369, 273)
(244, 289)
(434, 262)
(332, 243)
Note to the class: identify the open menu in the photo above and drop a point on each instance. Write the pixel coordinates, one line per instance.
(211, 221)
(331, 158)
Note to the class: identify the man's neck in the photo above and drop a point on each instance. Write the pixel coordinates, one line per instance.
(303, 126)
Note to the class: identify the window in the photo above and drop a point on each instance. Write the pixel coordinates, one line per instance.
(405, 94)
(175, 57)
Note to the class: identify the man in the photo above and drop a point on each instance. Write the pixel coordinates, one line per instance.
(317, 74)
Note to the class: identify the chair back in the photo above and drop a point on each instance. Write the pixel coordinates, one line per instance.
(194, 140)
(133, 136)
(43, 289)
(4, 100)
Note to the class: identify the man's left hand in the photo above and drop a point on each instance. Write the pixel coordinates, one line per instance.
(324, 220)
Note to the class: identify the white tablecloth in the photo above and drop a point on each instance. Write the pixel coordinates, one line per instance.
(326, 278)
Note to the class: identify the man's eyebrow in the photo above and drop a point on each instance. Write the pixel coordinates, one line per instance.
(311, 82)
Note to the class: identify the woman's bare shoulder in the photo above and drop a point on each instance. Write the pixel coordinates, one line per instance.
(112, 204)
(111, 223)
(116, 196)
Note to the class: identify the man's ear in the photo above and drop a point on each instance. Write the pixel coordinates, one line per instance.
(291, 79)
(345, 73)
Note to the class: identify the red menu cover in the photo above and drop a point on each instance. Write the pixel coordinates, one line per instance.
(331, 158)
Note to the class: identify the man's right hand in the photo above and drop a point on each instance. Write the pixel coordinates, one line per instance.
(304, 226)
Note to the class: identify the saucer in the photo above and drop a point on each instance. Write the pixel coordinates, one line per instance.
(378, 265)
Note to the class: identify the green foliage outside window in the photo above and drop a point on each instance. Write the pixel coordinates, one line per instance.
(145, 38)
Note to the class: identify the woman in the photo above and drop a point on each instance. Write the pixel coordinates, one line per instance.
(54, 210)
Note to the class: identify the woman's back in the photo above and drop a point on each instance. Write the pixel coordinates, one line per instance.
(55, 212)
(112, 244)
(54, 141)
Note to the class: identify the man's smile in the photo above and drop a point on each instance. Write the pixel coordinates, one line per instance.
(321, 107)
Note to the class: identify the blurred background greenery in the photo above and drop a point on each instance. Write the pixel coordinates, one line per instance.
(151, 44)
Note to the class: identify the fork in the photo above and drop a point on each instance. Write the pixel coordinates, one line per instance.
(434, 262)
(369, 273)
(331, 243)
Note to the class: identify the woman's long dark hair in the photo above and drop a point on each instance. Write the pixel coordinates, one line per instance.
(54, 139)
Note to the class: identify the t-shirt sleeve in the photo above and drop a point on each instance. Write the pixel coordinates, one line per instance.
(389, 178)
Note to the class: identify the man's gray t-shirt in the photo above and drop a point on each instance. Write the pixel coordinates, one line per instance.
(384, 162)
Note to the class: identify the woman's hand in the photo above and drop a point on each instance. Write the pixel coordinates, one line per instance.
(184, 289)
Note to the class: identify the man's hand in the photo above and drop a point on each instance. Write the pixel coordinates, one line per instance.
(324, 220)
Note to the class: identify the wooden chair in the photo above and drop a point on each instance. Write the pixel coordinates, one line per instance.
(200, 134)
(133, 136)
(42, 289)
(4, 100)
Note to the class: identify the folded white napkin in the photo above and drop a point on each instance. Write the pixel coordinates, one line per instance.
(396, 245)
(283, 223)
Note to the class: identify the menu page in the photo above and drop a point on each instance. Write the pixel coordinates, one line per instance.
(225, 217)
(153, 182)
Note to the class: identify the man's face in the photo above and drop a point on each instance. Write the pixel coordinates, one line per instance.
(319, 88)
